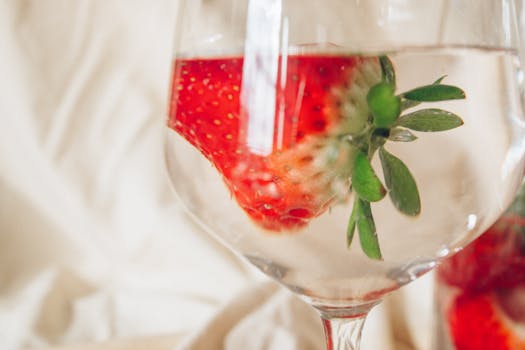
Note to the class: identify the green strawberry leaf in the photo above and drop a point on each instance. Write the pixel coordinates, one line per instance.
(434, 93)
(401, 184)
(432, 119)
(438, 81)
(401, 135)
(406, 104)
(364, 180)
(387, 70)
(367, 231)
(350, 230)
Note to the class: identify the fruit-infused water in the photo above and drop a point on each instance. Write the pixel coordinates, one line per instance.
(481, 290)
(260, 149)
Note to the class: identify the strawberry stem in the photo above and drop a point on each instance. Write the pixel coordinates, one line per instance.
(385, 119)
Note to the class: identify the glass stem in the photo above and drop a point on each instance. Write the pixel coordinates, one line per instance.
(343, 333)
(343, 328)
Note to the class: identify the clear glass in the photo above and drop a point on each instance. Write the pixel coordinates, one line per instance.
(270, 108)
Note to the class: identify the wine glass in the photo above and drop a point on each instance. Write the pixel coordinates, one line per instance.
(345, 147)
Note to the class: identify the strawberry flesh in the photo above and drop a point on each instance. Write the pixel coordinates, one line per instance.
(477, 321)
(318, 99)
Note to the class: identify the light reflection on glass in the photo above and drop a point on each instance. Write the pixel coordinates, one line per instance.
(261, 64)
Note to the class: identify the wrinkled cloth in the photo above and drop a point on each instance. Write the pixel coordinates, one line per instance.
(94, 246)
(268, 317)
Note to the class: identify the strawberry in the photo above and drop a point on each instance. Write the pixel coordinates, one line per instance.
(494, 260)
(320, 101)
(477, 321)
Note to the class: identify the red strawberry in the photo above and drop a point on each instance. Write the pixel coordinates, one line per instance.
(494, 260)
(478, 322)
(318, 100)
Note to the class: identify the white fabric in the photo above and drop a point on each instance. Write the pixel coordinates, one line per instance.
(267, 317)
(93, 245)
